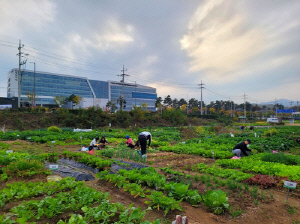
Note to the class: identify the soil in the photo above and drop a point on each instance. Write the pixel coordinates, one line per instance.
(170, 159)
(271, 210)
(295, 124)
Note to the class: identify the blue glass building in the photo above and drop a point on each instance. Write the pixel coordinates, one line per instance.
(134, 95)
(93, 92)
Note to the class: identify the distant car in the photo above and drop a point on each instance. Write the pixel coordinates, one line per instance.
(272, 120)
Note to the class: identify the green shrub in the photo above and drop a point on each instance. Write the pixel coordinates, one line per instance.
(54, 129)
(200, 130)
(107, 153)
(270, 132)
(24, 164)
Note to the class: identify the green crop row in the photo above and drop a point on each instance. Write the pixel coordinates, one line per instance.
(21, 164)
(253, 164)
(93, 161)
(196, 149)
(223, 173)
(22, 190)
(62, 202)
(149, 177)
(106, 212)
(80, 198)
(162, 134)
(157, 199)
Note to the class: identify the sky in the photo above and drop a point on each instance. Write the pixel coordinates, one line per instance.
(235, 48)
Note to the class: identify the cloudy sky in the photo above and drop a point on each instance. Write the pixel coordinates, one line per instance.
(234, 47)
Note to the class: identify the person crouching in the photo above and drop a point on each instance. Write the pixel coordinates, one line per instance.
(242, 149)
(129, 142)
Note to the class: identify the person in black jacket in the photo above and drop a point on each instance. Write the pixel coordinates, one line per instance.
(242, 149)
(103, 142)
(143, 137)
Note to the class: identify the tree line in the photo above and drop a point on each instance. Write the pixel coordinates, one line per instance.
(217, 106)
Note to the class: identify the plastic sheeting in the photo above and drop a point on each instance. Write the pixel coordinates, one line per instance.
(78, 165)
(132, 165)
(68, 170)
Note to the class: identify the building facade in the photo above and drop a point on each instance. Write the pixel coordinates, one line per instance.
(45, 86)
(134, 95)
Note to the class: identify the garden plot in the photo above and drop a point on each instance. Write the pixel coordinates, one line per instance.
(181, 174)
(164, 159)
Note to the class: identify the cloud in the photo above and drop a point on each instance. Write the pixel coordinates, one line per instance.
(226, 41)
(220, 44)
(20, 16)
(113, 35)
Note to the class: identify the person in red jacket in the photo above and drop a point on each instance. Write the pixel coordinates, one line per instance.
(129, 142)
(91, 150)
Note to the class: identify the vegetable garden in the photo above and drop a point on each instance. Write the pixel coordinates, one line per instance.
(194, 176)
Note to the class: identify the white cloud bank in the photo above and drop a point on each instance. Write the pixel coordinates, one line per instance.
(19, 16)
(224, 40)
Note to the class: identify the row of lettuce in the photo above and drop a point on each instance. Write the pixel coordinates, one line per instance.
(147, 182)
(83, 204)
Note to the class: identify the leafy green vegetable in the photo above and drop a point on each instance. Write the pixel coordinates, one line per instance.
(217, 201)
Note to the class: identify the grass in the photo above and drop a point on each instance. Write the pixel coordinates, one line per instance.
(235, 213)
(295, 222)
(263, 195)
(291, 210)
(254, 192)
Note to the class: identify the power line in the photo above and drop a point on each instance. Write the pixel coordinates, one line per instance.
(36, 49)
(8, 42)
(62, 58)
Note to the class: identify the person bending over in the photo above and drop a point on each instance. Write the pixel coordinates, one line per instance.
(143, 137)
(242, 149)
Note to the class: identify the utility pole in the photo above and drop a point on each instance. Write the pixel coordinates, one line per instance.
(135, 92)
(291, 102)
(297, 106)
(123, 81)
(230, 106)
(244, 107)
(33, 84)
(201, 87)
(234, 107)
(276, 107)
(19, 73)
